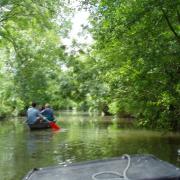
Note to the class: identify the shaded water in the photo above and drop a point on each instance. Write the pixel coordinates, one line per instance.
(81, 138)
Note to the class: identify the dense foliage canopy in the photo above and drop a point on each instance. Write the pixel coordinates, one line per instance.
(137, 48)
(31, 51)
(132, 69)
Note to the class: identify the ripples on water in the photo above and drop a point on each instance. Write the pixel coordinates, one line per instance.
(81, 138)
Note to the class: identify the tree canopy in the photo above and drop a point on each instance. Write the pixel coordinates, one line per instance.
(132, 68)
(137, 45)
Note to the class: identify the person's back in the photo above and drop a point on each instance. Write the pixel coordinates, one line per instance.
(32, 114)
(48, 113)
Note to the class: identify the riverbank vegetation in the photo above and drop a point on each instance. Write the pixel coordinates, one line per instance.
(132, 69)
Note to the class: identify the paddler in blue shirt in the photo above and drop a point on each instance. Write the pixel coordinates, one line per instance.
(34, 115)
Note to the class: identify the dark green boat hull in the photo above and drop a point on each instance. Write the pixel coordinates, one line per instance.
(39, 126)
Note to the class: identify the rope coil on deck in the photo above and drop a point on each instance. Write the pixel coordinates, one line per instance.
(120, 176)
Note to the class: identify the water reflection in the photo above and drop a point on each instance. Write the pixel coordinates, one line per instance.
(35, 138)
(81, 138)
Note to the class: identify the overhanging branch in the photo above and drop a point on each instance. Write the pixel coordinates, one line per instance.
(170, 25)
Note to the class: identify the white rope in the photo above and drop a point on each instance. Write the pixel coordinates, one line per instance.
(119, 176)
(127, 167)
(107, 172)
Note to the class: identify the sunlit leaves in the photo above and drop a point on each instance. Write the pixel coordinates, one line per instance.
(30, 40)
(137, 45)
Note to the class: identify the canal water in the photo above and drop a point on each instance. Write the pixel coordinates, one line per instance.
(82, 137)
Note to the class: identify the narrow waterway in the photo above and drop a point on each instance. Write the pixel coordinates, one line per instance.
(81, 138)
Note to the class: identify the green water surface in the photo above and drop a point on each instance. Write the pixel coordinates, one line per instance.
(81, 138)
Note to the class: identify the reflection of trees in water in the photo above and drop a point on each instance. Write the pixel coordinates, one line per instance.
(103, 145)
(32, 149)
(85, 138)
(99, 137)
(86, 121)
(36, 139)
